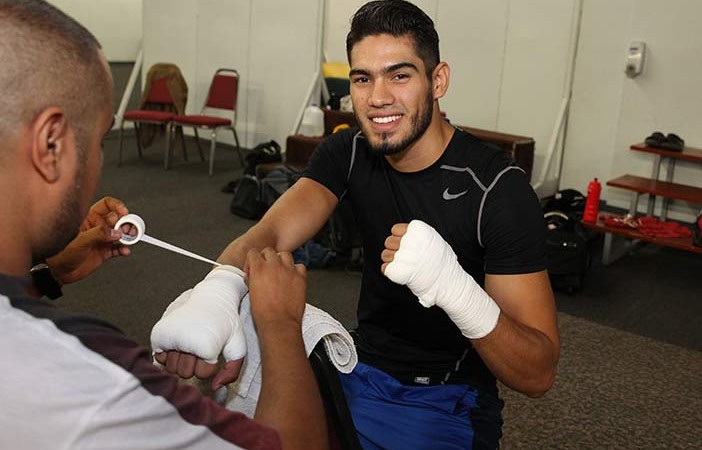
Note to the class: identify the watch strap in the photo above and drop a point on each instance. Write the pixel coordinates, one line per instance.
(45, 282)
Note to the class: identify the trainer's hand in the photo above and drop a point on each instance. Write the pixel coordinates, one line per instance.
(277, 289)
(95, 244)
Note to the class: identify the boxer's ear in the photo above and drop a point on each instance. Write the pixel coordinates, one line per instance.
(440, 80)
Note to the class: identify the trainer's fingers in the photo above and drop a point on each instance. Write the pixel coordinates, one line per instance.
(269, 254)
(301, 269)
(106, 212)
(253, 256)
(286, 258)
(109, 204)
(129, 229)
(204, 370)
(161, 357)
(228, 374)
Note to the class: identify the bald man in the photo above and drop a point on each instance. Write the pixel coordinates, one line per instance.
(70, 381)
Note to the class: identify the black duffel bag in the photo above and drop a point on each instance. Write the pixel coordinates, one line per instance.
(566, 240)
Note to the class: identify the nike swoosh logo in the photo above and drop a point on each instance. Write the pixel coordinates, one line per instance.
(448, 196)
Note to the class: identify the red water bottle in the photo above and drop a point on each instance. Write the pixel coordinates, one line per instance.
(592, 204)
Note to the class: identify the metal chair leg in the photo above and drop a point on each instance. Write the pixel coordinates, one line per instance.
(138, 140)
(213, 144)
(178, 131)
(167, 151)
(199, 147)
(182, 140)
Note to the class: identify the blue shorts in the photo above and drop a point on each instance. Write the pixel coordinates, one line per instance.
(390, 415)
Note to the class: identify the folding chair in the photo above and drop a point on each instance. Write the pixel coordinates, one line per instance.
(222, 95)
(158, 106)
(340, 427)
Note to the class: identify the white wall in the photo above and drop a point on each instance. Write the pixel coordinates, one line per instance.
(610, 111)
(472, 38)
(115, 23)
(274, 47)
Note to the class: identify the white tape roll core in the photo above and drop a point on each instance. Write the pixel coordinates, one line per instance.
(137, 224)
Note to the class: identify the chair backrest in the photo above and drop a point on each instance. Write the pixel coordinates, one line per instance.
(342, 432)
(224, 90)
(159, 93)
(166, 88)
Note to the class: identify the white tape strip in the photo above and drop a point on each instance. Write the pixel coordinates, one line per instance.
(138, 226)
(173, 248)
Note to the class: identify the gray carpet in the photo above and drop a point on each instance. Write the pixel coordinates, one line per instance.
(631, 366)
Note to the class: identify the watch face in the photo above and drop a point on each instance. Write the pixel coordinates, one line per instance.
(45, 282)
(39, 267)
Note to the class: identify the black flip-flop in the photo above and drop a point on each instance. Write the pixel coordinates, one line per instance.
(656, 139)
(673, 142)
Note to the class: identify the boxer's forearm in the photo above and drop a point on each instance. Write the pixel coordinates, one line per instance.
(292, 220)
(523, 349)
(256, 237)
(521, 357)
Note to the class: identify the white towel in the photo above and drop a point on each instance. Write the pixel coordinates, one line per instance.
(316, 325)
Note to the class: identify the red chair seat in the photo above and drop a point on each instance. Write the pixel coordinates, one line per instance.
(202, 121)
(141, 115)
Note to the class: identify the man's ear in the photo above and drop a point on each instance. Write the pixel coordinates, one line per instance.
(440, 79)
(50, 143)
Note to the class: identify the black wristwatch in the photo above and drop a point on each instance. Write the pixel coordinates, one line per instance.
(45, 282)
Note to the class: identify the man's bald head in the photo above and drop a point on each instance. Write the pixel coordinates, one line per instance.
(49, 59)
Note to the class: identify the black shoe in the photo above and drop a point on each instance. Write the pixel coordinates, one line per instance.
(655, 139)
(673, 142)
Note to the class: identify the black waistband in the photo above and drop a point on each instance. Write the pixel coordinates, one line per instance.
(466, 368)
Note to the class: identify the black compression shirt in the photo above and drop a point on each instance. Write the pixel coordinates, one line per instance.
(478, 201)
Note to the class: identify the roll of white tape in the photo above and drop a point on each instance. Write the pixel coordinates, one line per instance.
(137, 225)
(136, 233)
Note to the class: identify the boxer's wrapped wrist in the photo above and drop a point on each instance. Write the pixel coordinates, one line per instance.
(430, 268)
(473, 311)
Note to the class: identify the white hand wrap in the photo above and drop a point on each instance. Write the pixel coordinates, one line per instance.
(430, 268)
(204, 321)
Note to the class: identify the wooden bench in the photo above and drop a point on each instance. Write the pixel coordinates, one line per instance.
(690, 154)
(653, 187)
(650, 186)
(631, 233)
(520, 147)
